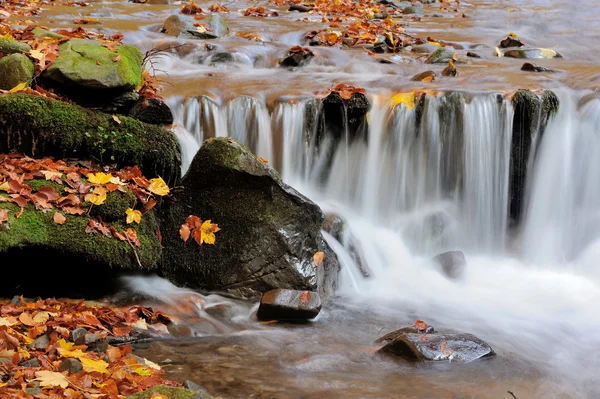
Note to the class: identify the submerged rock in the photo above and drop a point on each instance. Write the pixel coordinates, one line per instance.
(529, 67)
(201, 393)
(87, 68)
(40, 127)
(153, 111)
(452, 263)
(427, 76)
(450, 70)
(14, 70)
(269, 232)
(289, 305)
(297, 56)
(532, 53)
(442, 55)
(413, 345)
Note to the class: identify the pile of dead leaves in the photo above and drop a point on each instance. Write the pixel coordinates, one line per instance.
(258, 12)
(344, 91)
(65, 349)
(74, 189)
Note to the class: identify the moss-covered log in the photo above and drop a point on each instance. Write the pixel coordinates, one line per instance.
(39, 127)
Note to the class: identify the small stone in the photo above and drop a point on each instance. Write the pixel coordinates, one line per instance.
(153, 111)
(424, 48)
(300, 8)
(473, 55)
(297, 56)
(78, 335)
(532, 53)
(34, 391)
(281, 304)
(175, 25)
(42, 342)
(427, 76)
(201, 393)
(90, 338)
(334, 224)
(16, 300)
(214, 28)
(121, 104)
(222, 57)
(14, 70)
(442, 55)
(529, 67)
(450, 70)
(71, 365)
(511, 41)
(31, 363)
(453, 263)
(409, 10)
(98, 346)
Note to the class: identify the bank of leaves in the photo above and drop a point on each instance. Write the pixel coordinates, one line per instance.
(43, 351)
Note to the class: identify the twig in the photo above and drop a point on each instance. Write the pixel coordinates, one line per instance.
(513, 395)
(134, 251)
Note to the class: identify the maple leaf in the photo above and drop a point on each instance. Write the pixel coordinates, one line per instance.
(142, 371)
(51, 175)
(208, 232)
(99, 178)
(91, 365)
(98, 196)
(133, 216)
(59, 218)
(318, 258)
(48, 378)
(132, 236)
(158, 186)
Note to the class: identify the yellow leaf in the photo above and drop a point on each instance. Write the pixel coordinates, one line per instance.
(91, 365)
(511, 10)
(19, 87)
(498, 53)
(65, 345)
(8, 321)
(151, 364)
(133, 216)
(51, 379)
(408, 99)
(4, 186)
(142, 371)
(513, 35)
(157, 395)
(26, 355)
(78, 353)
(208, 232)
(99, 178)
(3, 384)
(49, 175)
(158, 186)
(98, 196)
(435, 44)
(41, 317)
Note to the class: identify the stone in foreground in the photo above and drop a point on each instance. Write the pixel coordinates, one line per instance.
(414, 345)
(453, 263)
(289, 305)
(269, 231)
(169, 392)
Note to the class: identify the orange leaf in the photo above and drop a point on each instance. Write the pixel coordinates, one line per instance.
(184, 232)
(59, 218)
(318, 258)
(116, 118)
(420, 325)
(305, 297)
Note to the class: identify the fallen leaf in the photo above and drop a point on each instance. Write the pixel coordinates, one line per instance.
(305, 297)
(157, 395)
(158, 186)
(19, 87)
(420, 325)
(133, 216)
(91, 365)
(318, 258)
(59, 218)
(48, 378)
(98, 196)
(26, 319)
(208, 232)
(116, 118)
(184, 232)
(408, 99)
(99, 178)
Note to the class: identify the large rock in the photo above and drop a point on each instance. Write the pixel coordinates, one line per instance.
(8, 46)
(86, 67)
(289, 305)
(39, 127)
(14, 70)
(441, 56)
(166, 391)
(414, 345)
(153, 111)
(269, 232)
(532, 53)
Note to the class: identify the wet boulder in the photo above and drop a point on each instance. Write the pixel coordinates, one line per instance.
(427, 76)
(424, 48)
(153, 111)
(442, 55)
(297, 56)
(289, 305)
(420, 345)
(201, 393)
(450, 70)
(529, 67)
(334, 224)
(89, 72)
(532, 53)
(511, 41)
(14, 70)
(452, 263)
(269, 232)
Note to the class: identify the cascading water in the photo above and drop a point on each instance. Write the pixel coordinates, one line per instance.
(435, 177)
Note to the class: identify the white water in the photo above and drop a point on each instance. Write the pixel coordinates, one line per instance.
(408, 194)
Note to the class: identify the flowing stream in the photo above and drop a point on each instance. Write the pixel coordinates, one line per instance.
(420, 183)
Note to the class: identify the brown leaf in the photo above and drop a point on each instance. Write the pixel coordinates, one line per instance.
(305, 297)
(26, 319)
(3, 215)
(420, 325)
(184, 232)
(59, 218)
(318, 258)
(50, 193)
(18, 214)
(117, 59)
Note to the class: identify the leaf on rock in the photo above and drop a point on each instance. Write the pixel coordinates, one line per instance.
(408, 99)
(48, 378)
(59, 218)
(132, 236)
(19, 87)
(420, 325)
(98, 196)
(184, 232)
(158, 186)
(318, 258)
(305, 297)
(208, 232)
(157, 395)
(99, 178)
(133, 216)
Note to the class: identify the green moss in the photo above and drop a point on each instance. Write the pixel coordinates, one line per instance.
(550, 104)
(41, 127)
(14, 70)
(35, 228)
(170, 392)
(115, 205)
(42, 33)
(8, 46)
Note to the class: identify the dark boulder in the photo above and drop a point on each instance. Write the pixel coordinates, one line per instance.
(269, 232)
(297, 56)
(511, 41)
(153, 111)
(529, 67)
(427, 76)
(289, 305)
(452, 263)
(414, 345)
(450, 70)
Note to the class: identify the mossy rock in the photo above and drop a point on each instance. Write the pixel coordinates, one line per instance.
(8, 46)
(115, 205)
(14, 70)
(169, 392)
(88, 65)
(40, 127)
(41, 33)
(269, 231)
